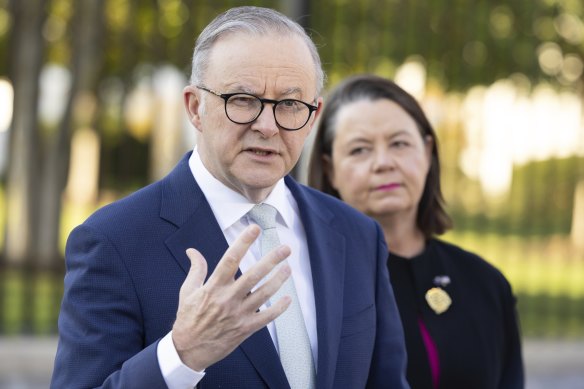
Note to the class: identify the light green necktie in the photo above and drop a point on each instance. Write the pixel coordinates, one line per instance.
(293, 341)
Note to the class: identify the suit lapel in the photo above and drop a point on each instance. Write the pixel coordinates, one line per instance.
(327, 257)
(184, 205)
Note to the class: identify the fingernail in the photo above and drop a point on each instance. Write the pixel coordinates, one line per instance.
(254, 229)
(286, 270)
(284, 251)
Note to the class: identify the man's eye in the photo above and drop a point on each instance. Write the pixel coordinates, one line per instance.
(291, 105)
(242, 100)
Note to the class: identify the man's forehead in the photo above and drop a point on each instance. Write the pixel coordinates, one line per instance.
(252, 65)
(255, 85)
(246, 45)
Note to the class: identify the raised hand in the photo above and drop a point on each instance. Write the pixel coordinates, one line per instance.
(214, 317)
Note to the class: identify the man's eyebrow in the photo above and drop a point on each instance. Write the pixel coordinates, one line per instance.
(237, 87)
(292, 91)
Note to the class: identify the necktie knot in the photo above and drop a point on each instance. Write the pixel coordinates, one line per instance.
(264, 215)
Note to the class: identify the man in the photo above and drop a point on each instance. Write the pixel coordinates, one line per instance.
(169, 287)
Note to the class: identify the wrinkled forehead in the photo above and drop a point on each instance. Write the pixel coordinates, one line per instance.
(274, 44)
(262, 60)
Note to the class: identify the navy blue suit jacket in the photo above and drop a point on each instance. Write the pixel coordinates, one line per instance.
(127, 262)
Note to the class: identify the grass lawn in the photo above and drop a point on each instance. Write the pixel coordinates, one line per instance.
(534, 265)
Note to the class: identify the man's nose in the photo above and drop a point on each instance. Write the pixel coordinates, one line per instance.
(266, 122)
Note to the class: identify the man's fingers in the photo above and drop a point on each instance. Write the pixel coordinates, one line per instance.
(198, 270)
(261, 269)
(265, 316)
(262, 294)
(229, 263)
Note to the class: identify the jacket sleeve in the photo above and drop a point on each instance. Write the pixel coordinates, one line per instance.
(388, 368)
(101, 337)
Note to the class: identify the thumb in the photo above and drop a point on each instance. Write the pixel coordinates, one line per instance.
(198, 270)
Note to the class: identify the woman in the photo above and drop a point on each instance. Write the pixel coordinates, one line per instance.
(376, 150)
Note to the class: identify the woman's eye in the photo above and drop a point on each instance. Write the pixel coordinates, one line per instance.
(399, 144)
(357, 151)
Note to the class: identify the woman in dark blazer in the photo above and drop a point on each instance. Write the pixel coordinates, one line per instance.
(376, 150)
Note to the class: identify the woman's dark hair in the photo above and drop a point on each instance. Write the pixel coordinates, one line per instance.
(432, 218)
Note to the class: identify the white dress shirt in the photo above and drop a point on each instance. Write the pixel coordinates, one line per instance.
(230, 209)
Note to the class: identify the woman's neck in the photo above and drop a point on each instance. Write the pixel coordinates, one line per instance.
(403, 237)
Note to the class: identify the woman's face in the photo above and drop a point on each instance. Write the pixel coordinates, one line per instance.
(379, 159)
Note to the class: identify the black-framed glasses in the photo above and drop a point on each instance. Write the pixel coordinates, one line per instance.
(244, 108)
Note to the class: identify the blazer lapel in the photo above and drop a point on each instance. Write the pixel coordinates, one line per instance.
(327, 257)
(184, 205)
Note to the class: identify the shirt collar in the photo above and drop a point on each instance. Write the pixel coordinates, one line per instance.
(229, 206)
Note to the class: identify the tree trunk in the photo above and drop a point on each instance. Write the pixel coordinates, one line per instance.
(87, 56)
(22, 184)
(299, 11)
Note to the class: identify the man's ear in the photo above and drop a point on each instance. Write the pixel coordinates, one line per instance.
(319, 104)
(316, 114)
(193, 105)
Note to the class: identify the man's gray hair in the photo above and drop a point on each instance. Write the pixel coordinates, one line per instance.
(254, 20)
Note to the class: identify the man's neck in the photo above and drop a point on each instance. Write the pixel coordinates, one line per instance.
(256, 196)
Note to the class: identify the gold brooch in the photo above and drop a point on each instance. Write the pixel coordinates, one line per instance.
(438, 300)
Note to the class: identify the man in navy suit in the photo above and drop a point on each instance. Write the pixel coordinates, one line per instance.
(170, 288)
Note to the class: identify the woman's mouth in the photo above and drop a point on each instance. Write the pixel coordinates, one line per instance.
(387, 187)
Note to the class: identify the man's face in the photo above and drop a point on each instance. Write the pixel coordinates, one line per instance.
(251, 158)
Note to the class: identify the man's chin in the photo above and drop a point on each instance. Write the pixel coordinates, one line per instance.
(258, 183)
(261, 183)
(260, 176)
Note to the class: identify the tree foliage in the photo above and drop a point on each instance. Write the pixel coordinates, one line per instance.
(108, 44)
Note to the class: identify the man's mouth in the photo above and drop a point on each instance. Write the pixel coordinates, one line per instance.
(261, 152)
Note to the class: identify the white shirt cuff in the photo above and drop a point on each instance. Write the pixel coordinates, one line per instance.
(176, 374)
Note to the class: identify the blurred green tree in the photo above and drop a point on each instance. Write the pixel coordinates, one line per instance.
(108, 44)
(39, 162)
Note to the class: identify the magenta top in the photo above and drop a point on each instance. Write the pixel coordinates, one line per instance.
(432, 352)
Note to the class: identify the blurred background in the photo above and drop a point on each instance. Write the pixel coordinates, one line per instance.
(91, 109)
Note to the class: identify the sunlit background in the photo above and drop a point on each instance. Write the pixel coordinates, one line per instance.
(91, 109)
